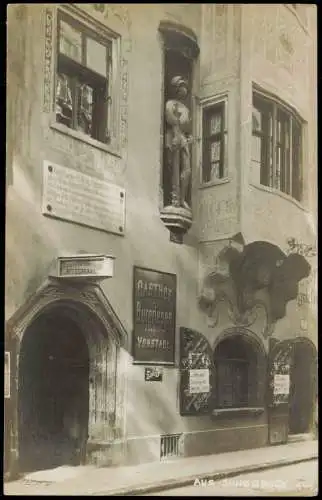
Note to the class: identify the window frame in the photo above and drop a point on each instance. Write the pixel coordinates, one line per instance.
(92, 28)
(241, 399)
(240, 345)
(206, 105)
(268, 170)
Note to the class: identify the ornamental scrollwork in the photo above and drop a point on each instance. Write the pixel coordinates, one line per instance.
(259, 270)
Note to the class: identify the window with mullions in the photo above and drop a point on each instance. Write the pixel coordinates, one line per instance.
(82, 79)
(214, 137)
(276, 146)
(232, 390)
(233, 363)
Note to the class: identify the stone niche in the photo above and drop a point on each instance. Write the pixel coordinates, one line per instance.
(180, 51)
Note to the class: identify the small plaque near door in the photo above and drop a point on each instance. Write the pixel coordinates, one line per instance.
(153, 374)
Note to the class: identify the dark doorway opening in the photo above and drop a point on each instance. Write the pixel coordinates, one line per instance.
(53, 393)
(302, 388)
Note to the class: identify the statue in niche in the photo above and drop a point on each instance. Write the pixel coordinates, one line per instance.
(177, 142)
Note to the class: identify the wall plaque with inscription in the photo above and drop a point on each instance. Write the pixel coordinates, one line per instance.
(76, 197)
(154, 316)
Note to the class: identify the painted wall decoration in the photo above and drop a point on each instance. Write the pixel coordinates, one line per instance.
(217, 214)
(48, 60)
(197, 373)
(154, 320)
(304, 249)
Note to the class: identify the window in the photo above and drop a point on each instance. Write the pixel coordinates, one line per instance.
(214, 142)
(232, 368)
(232, 383)
(240, 373)
(83, 79)
(276, 146)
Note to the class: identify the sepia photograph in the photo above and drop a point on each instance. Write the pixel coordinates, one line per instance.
(161, 320)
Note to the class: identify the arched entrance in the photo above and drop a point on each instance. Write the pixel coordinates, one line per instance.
(53, 392)
(68, 338)
(302, 387)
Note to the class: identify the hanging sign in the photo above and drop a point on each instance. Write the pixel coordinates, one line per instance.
(154, 316)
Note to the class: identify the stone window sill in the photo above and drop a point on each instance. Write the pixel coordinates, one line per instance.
(84, 138)
(231, 412)
(216, 182)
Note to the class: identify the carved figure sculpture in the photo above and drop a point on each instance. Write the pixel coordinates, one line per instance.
(178, 140)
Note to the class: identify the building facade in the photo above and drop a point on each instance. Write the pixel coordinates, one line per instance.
(161, 208)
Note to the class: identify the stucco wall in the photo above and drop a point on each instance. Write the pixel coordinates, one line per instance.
(34, 241)
(279, 47)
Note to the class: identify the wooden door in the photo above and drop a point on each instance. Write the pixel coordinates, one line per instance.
(280, 361)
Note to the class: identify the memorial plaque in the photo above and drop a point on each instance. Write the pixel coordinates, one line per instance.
(154, 316)
(76, 197)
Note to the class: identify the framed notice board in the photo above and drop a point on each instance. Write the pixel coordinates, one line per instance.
(154, 317)
(197, 373)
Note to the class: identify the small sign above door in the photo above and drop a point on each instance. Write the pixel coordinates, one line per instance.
(85, 266)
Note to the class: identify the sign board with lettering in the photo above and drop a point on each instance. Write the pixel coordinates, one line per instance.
(281, 384)
(198, 380)
(76, 197)
(7, 375)
(197, 373)
(154, 316)
(85, 266)
(153, 374)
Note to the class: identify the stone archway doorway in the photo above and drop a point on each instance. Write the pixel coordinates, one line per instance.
(302, 387)
(53, 393)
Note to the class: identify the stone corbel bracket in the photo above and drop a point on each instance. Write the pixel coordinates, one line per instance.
(178, 220)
